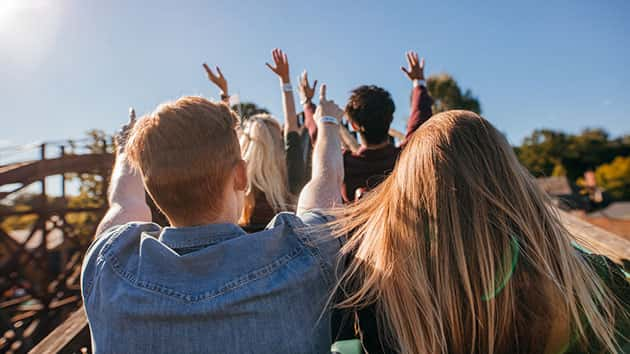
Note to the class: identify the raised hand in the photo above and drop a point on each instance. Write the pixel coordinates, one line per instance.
(306, 91)
(282, 65)
(219, 80)
(120, 139)
(327, 108)
(416, 67)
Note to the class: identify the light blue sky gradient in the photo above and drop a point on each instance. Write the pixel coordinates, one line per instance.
(67, 66)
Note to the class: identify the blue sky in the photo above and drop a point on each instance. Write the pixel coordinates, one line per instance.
(67, 66)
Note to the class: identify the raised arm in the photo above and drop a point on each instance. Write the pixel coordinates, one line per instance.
(126, 195)
(219, 80)
(288, 103)
(324, 188)
(306, 100)
(421, 101)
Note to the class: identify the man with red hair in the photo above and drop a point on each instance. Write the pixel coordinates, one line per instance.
(203, 284)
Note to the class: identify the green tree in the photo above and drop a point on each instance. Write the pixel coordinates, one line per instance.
(248, 109)
(614, 177)
(542, 151)
(448, 95)
(572, 154)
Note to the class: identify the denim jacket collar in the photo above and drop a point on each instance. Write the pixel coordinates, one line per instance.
(195, 236)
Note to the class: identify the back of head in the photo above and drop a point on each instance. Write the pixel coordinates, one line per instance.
(462, 252)
(263, 149)
(186, 151)
(371, 109)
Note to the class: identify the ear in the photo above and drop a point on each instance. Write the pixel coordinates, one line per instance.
(240, 176)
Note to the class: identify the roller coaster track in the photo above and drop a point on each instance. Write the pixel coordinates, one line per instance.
(39, 283)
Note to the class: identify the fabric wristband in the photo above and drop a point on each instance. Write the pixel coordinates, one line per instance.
(417, 83)
(328, 119)
(287, 87)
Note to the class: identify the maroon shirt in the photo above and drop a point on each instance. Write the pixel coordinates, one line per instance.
(367, 168)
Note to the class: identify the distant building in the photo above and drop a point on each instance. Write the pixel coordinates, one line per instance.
(562, 193)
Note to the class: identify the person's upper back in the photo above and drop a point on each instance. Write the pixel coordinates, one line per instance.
(210, 288)
(367, 168)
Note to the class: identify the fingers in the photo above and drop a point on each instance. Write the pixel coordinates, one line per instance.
(278, 56)
(132, 115)
(322, 93)
(405, 70)
(271, 67)
(422, 63)
(314, 84)
(219, 71)
(211, 75)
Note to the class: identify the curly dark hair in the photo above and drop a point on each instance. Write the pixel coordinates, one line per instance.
(372, 109)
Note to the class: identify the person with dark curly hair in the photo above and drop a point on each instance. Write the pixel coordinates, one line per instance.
(370, 111)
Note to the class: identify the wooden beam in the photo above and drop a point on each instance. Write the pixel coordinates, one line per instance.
(61, 336)
(596, 239)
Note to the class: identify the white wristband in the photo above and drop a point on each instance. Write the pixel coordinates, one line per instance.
(417, 83)
(328, 119)
(287, 87)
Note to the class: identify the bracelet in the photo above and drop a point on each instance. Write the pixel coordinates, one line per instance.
(328, 119)
(287, 87)
(417, 83)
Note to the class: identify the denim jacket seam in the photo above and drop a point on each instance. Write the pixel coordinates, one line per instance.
(101, 257)
(222, 236)
(254, 275)
(90, 282)
(314, 251)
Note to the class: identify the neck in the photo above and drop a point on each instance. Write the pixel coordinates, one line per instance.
(375, 146)
(226, 216)
(200, 221)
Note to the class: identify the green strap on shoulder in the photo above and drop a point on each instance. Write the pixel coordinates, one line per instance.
(350, 346)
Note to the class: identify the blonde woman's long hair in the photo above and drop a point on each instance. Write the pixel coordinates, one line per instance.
(262, 146)
(460, 252)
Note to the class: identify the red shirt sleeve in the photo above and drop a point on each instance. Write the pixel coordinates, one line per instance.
(421, 110)
(309, 121)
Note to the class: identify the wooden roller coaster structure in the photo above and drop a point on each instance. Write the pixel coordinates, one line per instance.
(40, 283)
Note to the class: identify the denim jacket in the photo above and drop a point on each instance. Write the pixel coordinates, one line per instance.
(211, 288)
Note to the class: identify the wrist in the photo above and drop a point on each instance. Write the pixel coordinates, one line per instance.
(286, 87)
(328, 120)
(418, 82)
(285, 80)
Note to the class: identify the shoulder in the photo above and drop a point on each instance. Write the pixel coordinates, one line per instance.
(314, 217)
(117, 239)
(313, 230)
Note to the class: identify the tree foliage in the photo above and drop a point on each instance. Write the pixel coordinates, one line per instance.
(248, 109)
(448, 95)
(547, 152)
(614, 177)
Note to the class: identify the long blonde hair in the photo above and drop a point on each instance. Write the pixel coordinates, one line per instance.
(460, 252)
(262, 147)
